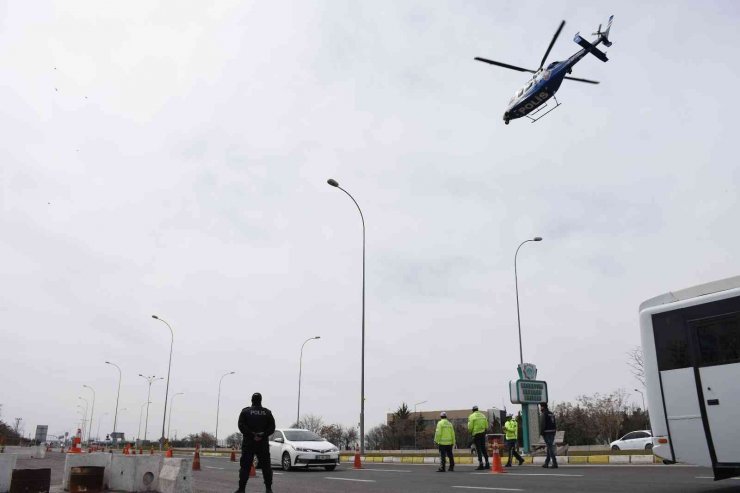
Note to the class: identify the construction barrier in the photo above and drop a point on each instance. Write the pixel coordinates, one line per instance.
(134, 474)
(7, 464)
(97, 459)
(176, 476)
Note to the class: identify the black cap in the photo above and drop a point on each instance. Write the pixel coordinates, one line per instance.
(256, 398)
(475, 408)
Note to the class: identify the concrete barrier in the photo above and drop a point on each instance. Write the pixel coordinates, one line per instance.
(538, 460)
(176, 476)
(619, 459)
(598, 459)
(134, 473)
(430, 460)
(7, 464)
(35, 452)
(641, 459)
(97, 459)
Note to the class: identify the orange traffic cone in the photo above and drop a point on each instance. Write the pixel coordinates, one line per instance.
(358, 461)
(125, 449)
(233, 455)
(496, 467)
(141, 451)
(168, 453)
(196, 460)
(151, 451)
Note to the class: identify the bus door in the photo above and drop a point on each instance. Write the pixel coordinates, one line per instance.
(717, 343)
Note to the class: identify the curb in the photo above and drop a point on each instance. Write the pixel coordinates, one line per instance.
(570, 459)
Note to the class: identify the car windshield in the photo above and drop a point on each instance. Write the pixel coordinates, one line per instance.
(302, 436)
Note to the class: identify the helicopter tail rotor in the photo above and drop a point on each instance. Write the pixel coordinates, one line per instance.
(604, 35)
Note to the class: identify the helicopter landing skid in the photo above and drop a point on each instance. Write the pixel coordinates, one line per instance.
(539, 117)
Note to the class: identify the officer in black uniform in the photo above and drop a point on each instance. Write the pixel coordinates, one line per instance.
(256, 424)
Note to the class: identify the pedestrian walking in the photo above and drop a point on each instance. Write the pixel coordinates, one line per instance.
(444, 437)
(548, 427)
(256, 424)
(477, 426)
(511, 428)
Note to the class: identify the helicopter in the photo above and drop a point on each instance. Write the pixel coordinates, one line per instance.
(529, 100)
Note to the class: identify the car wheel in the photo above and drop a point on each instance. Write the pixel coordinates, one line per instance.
(330, 468)
(614, 447)
(649, 446)
(286, 462)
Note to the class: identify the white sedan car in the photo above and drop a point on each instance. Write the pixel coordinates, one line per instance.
(634, 440)
(302, 448)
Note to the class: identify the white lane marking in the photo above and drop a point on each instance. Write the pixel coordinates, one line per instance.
(486, 488)
(350, 479)
(219, 468)
(712, 477)
(535, 474)
(381, 470)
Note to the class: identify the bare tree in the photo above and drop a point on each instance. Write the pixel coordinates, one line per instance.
(311, 422)
(636, 362)
(234, 440)
(350, 437)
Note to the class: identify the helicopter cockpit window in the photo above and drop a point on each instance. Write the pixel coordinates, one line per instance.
(551, 65)
(519, 92)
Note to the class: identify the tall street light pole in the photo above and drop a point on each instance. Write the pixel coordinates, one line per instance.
(416, 420)
(218, 404)
(525, 407)
(300, 369)
(84, 417)
(169, 367)
(169, 422)
(334, 183)
(141, 411)
(92, 411)
(150, 379)
(644, 411)
(516, 286)
(118, 394)
(100, 420)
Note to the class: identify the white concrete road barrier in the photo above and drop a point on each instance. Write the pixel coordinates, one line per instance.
(176, 476)
(134, 473)
(97, 459)
(7, 464)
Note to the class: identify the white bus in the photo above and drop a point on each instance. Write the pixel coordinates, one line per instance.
(691, 346)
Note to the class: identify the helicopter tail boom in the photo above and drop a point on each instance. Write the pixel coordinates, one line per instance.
(591, 48)
(604, 35)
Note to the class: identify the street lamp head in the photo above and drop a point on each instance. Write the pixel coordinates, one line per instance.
(537, 238)
(154, 316)
(332, 182)
(231, 373)
(107, 362)
(317, 337)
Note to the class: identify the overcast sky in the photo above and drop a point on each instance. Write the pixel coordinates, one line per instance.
(171, 158)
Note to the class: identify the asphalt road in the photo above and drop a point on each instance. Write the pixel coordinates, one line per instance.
(219, 475)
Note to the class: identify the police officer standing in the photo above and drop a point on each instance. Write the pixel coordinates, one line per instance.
(256, 425)
(477, 426)
(548, 427)
(444, 437)
(511, 428)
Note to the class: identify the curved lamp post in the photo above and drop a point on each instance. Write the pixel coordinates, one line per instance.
(92, 411)
(141, 411)
(84, 416)
(516, 286)
(118, 394)
(335, 184)
(167, 390)
(169, 422)
(218, 404)
(150, 380)
(416, 420)
(300, 369)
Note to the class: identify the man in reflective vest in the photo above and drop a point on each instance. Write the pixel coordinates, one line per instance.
(511, 428)
(444, 437)
(477, 426)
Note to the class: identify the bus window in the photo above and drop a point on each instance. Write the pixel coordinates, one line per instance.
(671, 341)
(719, 339)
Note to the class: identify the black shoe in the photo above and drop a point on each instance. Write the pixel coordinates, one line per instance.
(441, 469)
(239, 491)
(554, 466)
(480, 467)
(488, 466)
(507, 465)
(268, 489)
(521, 461)
(452, 468)
(545, 466)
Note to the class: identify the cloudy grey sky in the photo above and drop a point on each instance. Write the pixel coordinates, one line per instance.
(172, 157)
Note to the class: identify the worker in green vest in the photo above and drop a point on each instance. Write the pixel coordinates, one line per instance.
(444, 437)
(511, 428)
(477, 426)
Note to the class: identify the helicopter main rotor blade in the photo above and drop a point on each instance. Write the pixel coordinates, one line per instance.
(554, 38)
(588, 81)
(505, 65)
